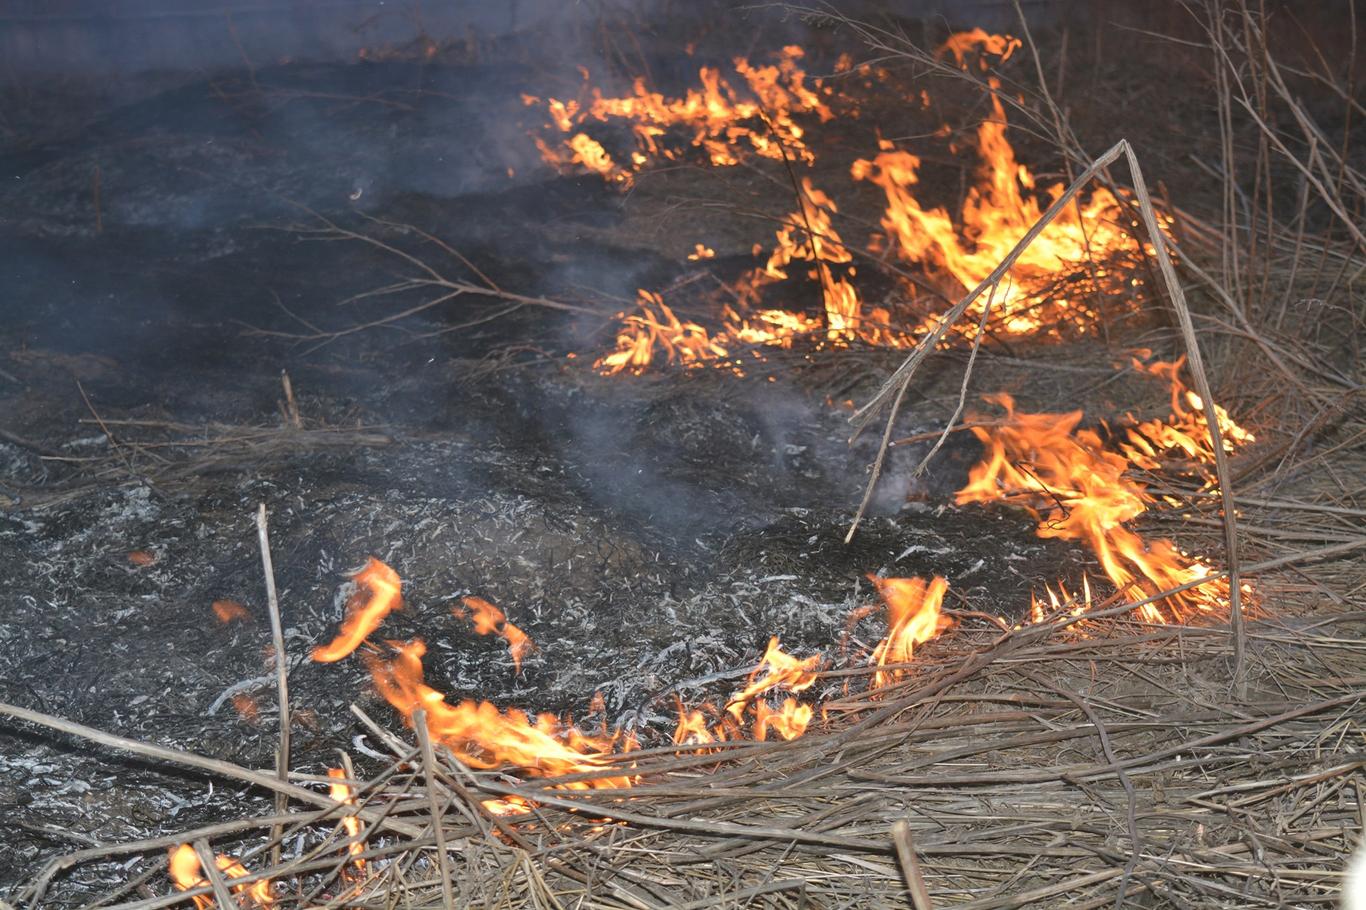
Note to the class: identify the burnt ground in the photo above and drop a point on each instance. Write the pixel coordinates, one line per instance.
(649, 533)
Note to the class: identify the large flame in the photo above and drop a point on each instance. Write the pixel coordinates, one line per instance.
(186, 873)
(377, 595)
(1045, 291)
(998, 211)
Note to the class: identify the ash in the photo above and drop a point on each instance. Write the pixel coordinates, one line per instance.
(649, 533)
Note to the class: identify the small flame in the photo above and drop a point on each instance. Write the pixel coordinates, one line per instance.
(187, 873)
(485, 736)
(340, 791)
(656, 326)
(776, 670)
(1186, 430)
(377, 595)
(913, 618)
(489, 620)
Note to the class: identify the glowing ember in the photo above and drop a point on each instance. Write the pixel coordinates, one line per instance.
(246, 708)
(1079, 491)
(340, 791)
(913, 618)
(230, 611)
(377, 595)
(489, 620)
(187, 873)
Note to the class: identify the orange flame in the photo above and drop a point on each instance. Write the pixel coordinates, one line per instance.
(656, 326)
(694, 728)
(186, 873)
(489, 620)
(340, 791)
(715, 119)
(997, 212)
(913, 618)
(1079, 491)
(1186, 430)
(377, 595)
(484, 736)
(777, 670)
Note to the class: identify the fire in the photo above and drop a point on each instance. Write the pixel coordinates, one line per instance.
(1185, 430)
(777, 670)
(489, 620)
(377, 595)
(694, 727)
(913, 618)
(186, 873)
(997, 212)
(1079, 491)
(714, 119)
(229, 611)
(656, 326)
(1045, 292)
(484, 736)
(340, 791)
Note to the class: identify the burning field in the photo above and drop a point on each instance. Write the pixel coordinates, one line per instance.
(632, 457)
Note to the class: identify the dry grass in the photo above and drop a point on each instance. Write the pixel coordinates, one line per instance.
(1080, 763)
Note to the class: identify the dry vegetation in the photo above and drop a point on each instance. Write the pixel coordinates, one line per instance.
(1081, 762)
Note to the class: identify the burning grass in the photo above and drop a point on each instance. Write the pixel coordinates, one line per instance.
(1094, 753)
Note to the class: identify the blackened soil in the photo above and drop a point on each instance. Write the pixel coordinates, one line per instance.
(646, 532)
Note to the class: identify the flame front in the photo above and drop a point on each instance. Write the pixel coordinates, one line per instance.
(713, 119)
(377, 595)
(1045, 291)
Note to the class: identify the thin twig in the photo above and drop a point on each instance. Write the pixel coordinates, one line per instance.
(281, 669)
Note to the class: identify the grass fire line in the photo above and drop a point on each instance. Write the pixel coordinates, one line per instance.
(998, 209)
